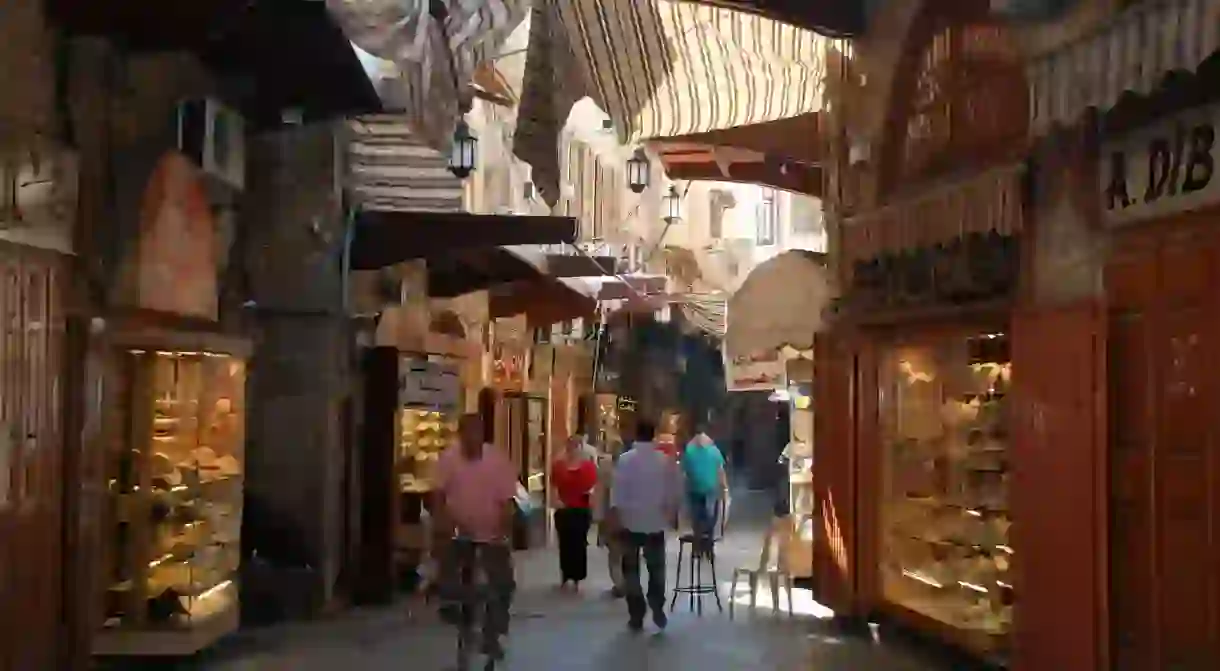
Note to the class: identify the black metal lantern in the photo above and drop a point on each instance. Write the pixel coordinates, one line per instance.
(671, 205)
(637, 171)
(464, 152)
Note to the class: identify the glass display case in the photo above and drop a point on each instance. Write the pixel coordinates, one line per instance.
(535, 475)
(944, 512)
(801, 501)
(423, 434)
(606, 423)
(175, 477)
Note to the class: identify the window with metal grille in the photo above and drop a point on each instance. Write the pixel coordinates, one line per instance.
(968, 101)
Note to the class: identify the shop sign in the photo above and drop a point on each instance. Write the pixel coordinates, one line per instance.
(509, 367)
(431, 384)
(755, 372)
(1164, 169)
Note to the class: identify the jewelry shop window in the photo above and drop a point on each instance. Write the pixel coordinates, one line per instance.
(944, 515)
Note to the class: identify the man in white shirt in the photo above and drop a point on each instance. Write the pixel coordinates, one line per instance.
(644, 502)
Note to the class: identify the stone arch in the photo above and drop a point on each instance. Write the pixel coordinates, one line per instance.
(958, 80)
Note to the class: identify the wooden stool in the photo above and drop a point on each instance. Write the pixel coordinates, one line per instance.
(695, 587)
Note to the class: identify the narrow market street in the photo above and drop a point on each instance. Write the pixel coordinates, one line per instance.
(562, 632)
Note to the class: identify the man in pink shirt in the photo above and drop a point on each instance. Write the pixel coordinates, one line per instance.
(473, 490)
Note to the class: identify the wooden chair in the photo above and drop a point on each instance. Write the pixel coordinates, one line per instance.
(771, 566)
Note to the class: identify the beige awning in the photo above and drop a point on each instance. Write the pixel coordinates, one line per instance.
(392, 169)
(1131, 53)
(659, 68)
(780, 304)
(989, 201)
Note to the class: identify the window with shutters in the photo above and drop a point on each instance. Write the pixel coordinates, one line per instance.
(767, 218)
(720, 201)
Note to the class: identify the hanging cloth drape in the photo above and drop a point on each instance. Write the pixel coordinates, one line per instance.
(659, 68)
(422, 88)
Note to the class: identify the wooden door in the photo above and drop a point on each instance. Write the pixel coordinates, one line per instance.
(1163, 399)
(1058, 488)
(31, 478)
(834, 475)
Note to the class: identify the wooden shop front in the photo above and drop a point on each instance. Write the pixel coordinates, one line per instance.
(945, 453)
(1158, 201)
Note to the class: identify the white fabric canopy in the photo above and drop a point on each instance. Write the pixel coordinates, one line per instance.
(404, 33)
(780, 303)
(660, 68)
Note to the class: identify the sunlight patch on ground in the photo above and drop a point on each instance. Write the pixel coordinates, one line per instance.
(803, 603)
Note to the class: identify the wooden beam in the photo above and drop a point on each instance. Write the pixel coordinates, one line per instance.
(806, 180)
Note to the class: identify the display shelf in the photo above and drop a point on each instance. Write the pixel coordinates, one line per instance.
(944, 518)
(423, 434)
(175, 466)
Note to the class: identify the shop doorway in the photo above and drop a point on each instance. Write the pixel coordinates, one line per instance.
(1164, 367)
(31, 457)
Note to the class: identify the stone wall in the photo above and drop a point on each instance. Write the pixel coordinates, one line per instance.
(1067, 245)
(301, 378)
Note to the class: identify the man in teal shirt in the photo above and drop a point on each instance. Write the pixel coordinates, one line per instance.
(706, 486)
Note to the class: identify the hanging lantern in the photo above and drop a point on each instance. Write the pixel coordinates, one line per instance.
(671, 205)
(464, 152)
(637, 171)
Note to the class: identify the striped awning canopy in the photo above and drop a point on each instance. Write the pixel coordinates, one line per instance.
(832, 17)
(434, 62)
(1133, 52)
(392, 169)
(660, 68)
(982, 203)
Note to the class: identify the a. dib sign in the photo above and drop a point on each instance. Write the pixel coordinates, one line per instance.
(1165, 168)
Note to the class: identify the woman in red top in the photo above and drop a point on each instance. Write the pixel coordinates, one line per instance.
(573, 477)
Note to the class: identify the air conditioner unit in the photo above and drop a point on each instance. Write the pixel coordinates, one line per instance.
(213, 136)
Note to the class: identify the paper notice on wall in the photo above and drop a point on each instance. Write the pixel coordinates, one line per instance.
(431, 384)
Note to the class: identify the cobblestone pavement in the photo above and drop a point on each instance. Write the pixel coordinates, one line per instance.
(585, 632)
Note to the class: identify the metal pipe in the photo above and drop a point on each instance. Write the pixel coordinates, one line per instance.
(606, 271)
(345, 263)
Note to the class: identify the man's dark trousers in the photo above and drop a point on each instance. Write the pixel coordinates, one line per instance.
(652, 546)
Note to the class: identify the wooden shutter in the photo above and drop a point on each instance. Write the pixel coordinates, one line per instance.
(1057, 493)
